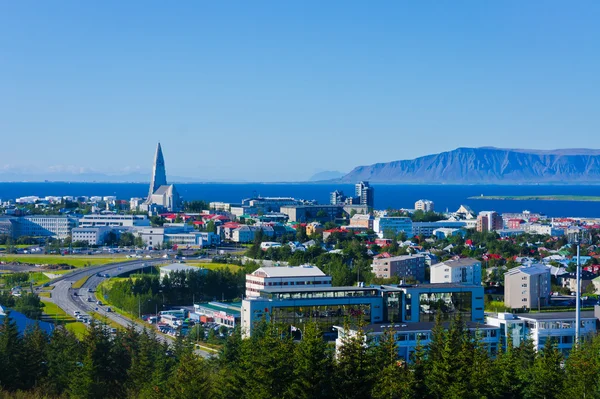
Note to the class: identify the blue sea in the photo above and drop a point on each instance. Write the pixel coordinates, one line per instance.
(386, 196)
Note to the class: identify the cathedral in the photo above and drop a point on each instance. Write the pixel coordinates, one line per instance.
(161, 196)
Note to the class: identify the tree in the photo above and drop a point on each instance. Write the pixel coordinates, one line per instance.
(354, 371)
(546, 374)
(394, 379)
(191, 378)
(211, 227)
(10, 354)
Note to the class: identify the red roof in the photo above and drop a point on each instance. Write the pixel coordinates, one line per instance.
(231, 225)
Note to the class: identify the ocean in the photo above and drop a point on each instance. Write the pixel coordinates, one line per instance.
(386, 196)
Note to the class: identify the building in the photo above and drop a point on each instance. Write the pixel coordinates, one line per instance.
(270, 204)
(180, 267)
(390, 227)
(331, 306)
(527, 287)
(192, 239)
(406, 266)
(457, 271)
(90, 235)
(409, 335)
(544, 229)
(110, 220)
(224, 314)
(542, 327)
(337, 198)
(364, 221)
(58, 227)
(489, 221)
(445, 232)
(314, 228)
(365, 193)
(308, 213)
(426, 229)
(424, 205)
(285, 276)
(161, 195)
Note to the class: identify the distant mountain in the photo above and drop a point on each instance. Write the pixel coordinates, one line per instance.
(487, 165)
(86, 177)
(326, 175)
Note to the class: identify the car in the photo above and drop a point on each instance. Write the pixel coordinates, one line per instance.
(90, 299)
(99, 303)
(108, 310)
(76, 313)
(90, 290)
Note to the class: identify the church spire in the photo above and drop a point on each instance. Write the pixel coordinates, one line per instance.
(159, 175)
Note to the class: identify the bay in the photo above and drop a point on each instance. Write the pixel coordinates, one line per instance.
(386, 196)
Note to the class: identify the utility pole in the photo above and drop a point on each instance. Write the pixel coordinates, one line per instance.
(578, 296)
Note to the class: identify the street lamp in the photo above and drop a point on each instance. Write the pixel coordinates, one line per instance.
(578, 239)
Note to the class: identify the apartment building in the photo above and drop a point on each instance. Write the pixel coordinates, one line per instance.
(406, 266)
(458, 271)
(111, 220)
(489, 221)
(424, 205)
(527, 287)
(44, 226)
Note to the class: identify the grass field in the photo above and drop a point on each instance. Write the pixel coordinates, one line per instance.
(105, 320)
(56, 314)
(79, 283)
(79, 329)
(75, 261)
(215, 266)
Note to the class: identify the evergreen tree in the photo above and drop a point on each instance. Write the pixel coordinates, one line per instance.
(393, 380)
(191, 378)
(546, 374)
(63, 356)
(10, 354)
(313, 365)
(33, 358)
(582, 368)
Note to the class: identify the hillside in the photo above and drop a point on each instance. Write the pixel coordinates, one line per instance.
(487, 165)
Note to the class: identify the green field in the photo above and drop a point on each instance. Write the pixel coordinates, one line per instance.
(588, 198)
(75, 261)
(215, 266)
(79, 283)
(56, 314)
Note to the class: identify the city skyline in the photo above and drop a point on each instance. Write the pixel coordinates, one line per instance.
(248, 93)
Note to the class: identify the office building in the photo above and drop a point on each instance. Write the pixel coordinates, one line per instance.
(90, 235)
(404, 267)
(424, 205)
(337, 198)
(527, 287)
(309, 213)
(224, 314)
(58, 227)
(457, 271)
(390, 227)
(110, 220)
(300, 276)
(426, 229)
(331, 306)
(542, 327)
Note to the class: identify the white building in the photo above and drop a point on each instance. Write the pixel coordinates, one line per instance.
(274, 277)
(541, 327)
(426, 229)
(91, 235)
(527, 287)
(179, 267)
(424, 205)
(393, 225)
(544, 229)
(98, 220)
(458, 271)
(135, 202)
(45, 226)
(192, 240)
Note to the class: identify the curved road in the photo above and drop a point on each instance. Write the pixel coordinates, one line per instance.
(63, 295)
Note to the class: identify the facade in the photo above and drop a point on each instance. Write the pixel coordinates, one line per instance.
(544, 229)
(308, 213)
(44, 226)
(424, 205)
(364, 221)
(407, 266)
(314, 228)
(91, 235)
(99, 220)
(337, 198)
(365, 193)
(542, 327)
(527, 287)
(331, 306)
(224, 314)
(393, 226)
(306, 275)
(426, 229)
(161, 195)
(270, 204)
(409, 335)
(457, 271)
(445, 232)
(489, 221)
(192, 239)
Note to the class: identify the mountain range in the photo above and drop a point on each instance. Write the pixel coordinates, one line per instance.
(487, 165)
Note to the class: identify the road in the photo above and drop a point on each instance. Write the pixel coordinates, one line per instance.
(63, 295)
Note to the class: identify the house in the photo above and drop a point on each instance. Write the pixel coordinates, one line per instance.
(314, 228)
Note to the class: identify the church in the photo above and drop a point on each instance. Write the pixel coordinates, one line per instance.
(161, 196)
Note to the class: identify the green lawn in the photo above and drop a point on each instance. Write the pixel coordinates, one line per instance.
(75, 261)
(79, 283)
(215, 266)
(56, 314)
(79, 329)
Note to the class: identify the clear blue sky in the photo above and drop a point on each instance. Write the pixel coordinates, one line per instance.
(268, 91)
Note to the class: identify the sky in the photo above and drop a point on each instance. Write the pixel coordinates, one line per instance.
(280, 90)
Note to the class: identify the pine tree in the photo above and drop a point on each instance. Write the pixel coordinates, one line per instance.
(33, 358)
(582, 368)
(313, 365)
(354, 369)
(63, 356)
(191, 378)
(547, 374)
(393, 380)
(10, 354)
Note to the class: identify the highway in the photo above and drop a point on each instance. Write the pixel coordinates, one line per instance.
(63, 295)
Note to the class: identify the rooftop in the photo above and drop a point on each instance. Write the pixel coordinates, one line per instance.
(531, 270)
(458, 262)
(418, 326)
(588, 314)
(290, 271)
(179, 267)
